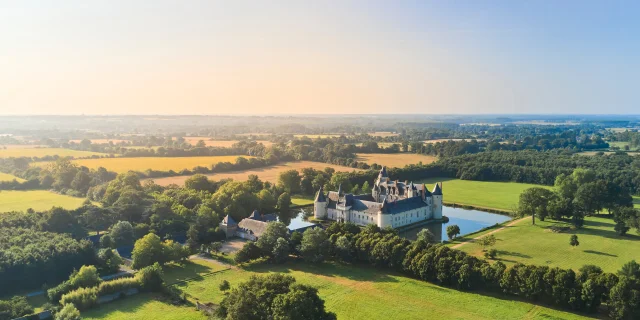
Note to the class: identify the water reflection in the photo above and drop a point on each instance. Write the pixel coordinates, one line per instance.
(296, 218)
(468, 221)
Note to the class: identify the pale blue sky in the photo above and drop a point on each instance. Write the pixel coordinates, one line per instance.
(213, 57)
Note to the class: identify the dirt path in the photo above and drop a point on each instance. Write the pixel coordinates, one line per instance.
(492, 232)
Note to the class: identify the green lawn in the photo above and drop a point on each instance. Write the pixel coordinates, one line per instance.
(144, 306)
(599, 245)
(9, 177)
(482, 194)
(366, 293)
(299, 200)
(193, 269)
(636, 202)
(38, 200)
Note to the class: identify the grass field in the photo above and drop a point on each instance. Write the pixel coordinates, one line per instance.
(491, 195)
(269, 173)
(383, 134)
(365, 293)
(38, 200)
(301, 200)
(395, 159)
(41, 152)
(537, 244)
(144, 306)
(8, 177)
(155, 163)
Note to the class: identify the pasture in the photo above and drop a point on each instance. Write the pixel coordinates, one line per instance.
(9, 177)
(155, 163)
(359, 292)
(144, 306)
(480, 194)
(38, 200)
(397, 160)
(269, 173)
(539, 244)
(43, 152)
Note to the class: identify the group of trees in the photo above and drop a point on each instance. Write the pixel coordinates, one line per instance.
(151, 249)
(274, 296)
(578, 195)
(434, 262)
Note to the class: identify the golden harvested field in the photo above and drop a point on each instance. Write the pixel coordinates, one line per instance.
(9, 177)
(21, 146)
(41, 152)
(316, 136)
(265, 174)
(398, 160)
(443, 140)
(383, 134)
(101, 141)
(155, 163)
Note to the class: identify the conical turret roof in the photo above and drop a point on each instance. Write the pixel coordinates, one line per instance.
(383, 172)
(437, 191)
(320, 196)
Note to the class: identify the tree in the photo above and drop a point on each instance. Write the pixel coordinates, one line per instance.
(343, 249)
(68, 312)
(122, 234)
(280, 251)
(290, 181)
(107, 242)
(535, 201)
(366, 188)
(302, 302)
(315, 245)
(224, 285)
(453, 231)
(87, 276)
(624, 216)
(573, 241)
(269, 237)
(631, 270)
(487, 241)
(426, 235)
(267, 201)
(198, 182)
(284, 202)
(248, 252)
(147, 251)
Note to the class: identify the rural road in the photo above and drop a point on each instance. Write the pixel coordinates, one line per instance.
(492, 232)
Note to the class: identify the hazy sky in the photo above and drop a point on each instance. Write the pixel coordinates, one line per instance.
(334, 56)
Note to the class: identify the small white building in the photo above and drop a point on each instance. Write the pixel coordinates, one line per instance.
(390, 204)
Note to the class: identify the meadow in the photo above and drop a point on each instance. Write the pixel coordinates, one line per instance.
(359, 292)
(480, 194)
(9, 177)
(538, 244)
(398, 160)
(144, 306)
(269, 173)
(38, 200)
(42, 152)
(155, 163)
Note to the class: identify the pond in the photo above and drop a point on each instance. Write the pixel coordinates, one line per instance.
(468, 220)
(296, 219)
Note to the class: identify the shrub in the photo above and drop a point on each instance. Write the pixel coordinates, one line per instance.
(68, 312)
(14, 308)
(86, 277)
(118, 285)
(83, 298)
(150, 278)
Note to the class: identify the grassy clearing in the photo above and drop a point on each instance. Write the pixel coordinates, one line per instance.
(144, 306)
(269, 173)
(9, 177)
(155, 163)
(192, 269)
(482, 194)
(38, 200)
(301, 200)
(365, 293)
(398, 160)
(42, 152)
(538, 244)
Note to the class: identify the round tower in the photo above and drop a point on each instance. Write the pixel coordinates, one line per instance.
(436, 201)
(320, 205)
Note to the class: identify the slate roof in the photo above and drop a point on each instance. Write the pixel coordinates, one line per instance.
(427, 193)
(255, 215)
(404, 205)
(436, 190)
(320, 196)
(383, 172)
(229, 221)
(255, 227)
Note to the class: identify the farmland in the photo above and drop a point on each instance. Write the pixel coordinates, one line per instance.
(395, 159)
(482, 194)
(269, 173)
(155, 163)
(219, 143)
(8, 177)
(42, 152)
(366, 293)
(538, 244)
(445, 140)
(101, 141)
(38, 200)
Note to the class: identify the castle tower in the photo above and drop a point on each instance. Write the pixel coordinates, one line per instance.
(320, 205)
(229, 226)
(436, 201)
